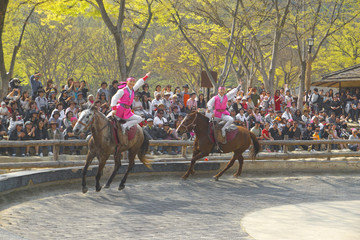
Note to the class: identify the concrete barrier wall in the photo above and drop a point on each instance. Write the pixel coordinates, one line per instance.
(26, 179)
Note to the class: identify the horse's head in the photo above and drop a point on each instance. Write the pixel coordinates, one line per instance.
(188, 123)
(85, 121)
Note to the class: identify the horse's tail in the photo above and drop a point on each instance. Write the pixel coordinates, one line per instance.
(256, 144)
(143, 150)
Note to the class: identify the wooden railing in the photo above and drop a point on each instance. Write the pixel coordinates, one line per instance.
(328, 154)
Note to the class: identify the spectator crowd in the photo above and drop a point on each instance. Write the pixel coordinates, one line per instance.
(49, 112)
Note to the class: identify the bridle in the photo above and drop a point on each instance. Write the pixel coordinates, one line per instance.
(187, 129)
(86, 125)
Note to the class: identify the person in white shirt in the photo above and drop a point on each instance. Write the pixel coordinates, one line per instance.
(159, 120)
(287, 114)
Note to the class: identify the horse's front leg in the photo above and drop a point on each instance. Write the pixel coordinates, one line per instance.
(117, 159)
(102, 161)
(193, 160)
(90, 156)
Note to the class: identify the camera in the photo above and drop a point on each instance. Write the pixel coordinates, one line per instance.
(14, 83)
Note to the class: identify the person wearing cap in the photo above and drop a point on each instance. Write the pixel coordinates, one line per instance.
(159, 120)
(121, 102)
(69, 134)
(218, 104)
(55, 117)
(64, 98)
(237, 106)
(185, 95)
(257, 130)
(80, 99)
(167, 103)
(155, 102)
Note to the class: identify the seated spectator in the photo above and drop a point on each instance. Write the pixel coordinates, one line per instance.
(146, 106)
(42, 134)
(155, 103)
(80, 101)
(266, 135)
(41, 101)
(72, 108)
(52, 101)
(64, 99)
(55, 118)
(167, 103)
(30, 136)
(67, 120)
(353, 136)
(69, 135)
(287, 114)
(54, 134)
(174, 115)
(295, 133)
(201, 103)
(171, 135)
(137, 105)
(240, 118)
(4, 113)
(17, 134)
(276, 134)
(159, 120)
(3, 135)
(257, 131)
(59, 108)
(103, 89)
(191, 103)
(14, 119)
(25, 100)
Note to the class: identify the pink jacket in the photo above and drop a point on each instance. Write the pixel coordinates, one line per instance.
(220, 107)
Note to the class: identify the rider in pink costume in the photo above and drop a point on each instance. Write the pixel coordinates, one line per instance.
(122, 100)
(219, 103)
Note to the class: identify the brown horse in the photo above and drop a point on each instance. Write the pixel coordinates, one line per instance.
(102, 144)
(203, 143)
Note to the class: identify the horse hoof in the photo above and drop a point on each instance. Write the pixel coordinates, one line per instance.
(184, 177)
(84, 189)
(121, 187)
(106, 186)
(98, 189)
(236, 175)
(216, 178)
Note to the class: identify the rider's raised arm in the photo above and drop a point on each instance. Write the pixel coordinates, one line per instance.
(233, 92)
(116, 97)
(141, 82)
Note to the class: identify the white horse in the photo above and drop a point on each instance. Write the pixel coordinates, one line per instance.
(102, 144)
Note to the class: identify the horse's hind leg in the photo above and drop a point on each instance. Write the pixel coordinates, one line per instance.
(90, 156)
(102, 161)
(230, 163)
(131, 157)
(241, 162)
(117, 159)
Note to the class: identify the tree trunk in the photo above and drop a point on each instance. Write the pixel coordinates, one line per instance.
(3, 74)
(308, 72)
(301, 86)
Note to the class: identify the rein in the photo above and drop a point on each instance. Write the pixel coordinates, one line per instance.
(90, 123)
(189, 125)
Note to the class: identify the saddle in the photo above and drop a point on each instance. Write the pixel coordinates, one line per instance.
(230, 133)
(121, 138)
